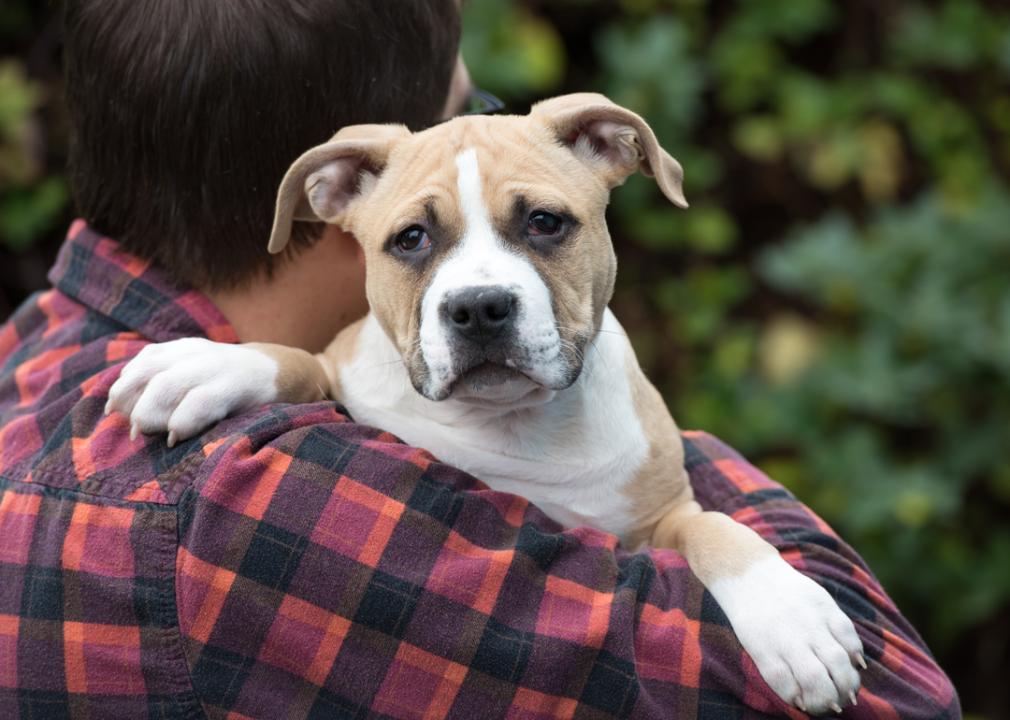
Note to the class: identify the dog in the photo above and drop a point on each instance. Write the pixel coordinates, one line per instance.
(489, 342)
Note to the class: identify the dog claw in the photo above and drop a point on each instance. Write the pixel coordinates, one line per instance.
(836, 707)
(852, 697)
(798, 702)
(172, 438)
(861, 660)
(134, 431)
(108, 406)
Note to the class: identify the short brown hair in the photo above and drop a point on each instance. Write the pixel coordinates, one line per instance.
(186, 113)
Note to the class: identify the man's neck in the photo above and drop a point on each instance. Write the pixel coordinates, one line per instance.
(309, 299)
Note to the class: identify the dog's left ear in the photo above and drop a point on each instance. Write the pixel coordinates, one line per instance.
(324, 180)
(613, 138)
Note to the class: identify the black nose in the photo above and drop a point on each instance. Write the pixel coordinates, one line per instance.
(479, 313)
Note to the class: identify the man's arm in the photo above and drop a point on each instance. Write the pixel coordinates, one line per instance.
(326, 568)
(902, 678)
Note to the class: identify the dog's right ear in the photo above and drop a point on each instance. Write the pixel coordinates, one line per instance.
(322, 182)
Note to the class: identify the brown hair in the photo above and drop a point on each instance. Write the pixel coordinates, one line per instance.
(186, 113)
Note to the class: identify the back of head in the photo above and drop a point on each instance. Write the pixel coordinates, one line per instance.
(186, 113)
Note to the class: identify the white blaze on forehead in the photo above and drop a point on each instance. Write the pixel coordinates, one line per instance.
(480, 258)
(471, 199)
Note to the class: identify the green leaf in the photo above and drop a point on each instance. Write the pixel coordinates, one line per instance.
(511, 51)
(27, 213)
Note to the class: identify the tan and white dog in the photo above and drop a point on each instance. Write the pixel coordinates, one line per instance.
(489, 343)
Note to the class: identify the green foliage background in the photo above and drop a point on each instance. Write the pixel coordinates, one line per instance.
(836, 301)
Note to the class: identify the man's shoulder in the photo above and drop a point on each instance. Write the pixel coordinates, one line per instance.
(298, 469)
(57, 357)
(722, 478)
(314, 441)
(58, 360)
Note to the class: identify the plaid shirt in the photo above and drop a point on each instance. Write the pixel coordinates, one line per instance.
(290, 563)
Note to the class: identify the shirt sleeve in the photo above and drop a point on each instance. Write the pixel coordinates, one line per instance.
(326, 569)
(902, 680)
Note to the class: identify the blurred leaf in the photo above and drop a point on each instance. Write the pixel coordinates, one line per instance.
(747, 68)
(880, 160)
(789, 345)
(957, 37)
(710, 230)
(19, 97)
(509, 50)
(26, 213)
(698, 302)
(913, 508)
(733, 354)
(650, 68)
(759, 137)
(832, 160)
(784, 19)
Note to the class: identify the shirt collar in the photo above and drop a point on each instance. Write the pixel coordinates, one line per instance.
(98, 273)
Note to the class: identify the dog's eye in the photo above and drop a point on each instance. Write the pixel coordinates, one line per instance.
(412, 240)
(543, 223)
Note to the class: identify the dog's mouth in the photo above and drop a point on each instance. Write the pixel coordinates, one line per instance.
(493, 385)
(489, 375)
(497, 376)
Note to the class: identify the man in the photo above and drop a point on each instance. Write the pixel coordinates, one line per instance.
(289, 563)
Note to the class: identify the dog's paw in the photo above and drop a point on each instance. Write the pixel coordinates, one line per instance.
(804, 646)
(183, 386)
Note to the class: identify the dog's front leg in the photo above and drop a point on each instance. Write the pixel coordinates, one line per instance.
(183, 386)
(804, 646)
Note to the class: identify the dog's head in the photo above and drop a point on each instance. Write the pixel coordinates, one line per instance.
(489, 264)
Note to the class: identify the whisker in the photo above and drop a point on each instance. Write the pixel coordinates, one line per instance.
(591, 344)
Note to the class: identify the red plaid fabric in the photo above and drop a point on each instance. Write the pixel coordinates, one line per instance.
(292, 564)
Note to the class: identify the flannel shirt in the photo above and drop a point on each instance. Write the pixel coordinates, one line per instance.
(290, 563)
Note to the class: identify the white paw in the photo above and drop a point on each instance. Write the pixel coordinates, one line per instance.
(804, 646)
(183, 386)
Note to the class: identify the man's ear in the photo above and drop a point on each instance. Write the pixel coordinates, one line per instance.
(612, 138)
(322, 182)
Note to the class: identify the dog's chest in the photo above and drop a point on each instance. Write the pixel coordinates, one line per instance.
(576, 475)
(573, 457)
(573, 465)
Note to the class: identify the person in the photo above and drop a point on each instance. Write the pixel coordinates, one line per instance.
(290, 563)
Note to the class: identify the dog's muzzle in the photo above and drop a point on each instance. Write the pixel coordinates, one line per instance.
(481, 329)
(492, 342)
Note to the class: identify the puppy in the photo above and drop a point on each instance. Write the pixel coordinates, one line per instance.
(489, 343)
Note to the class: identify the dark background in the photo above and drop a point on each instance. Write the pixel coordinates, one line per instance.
(835, 303)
